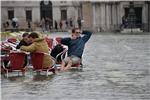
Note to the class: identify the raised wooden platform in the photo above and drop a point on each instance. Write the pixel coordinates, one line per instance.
(133, 30)
(17, 29)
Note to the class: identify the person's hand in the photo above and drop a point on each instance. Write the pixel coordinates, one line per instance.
(81, 31)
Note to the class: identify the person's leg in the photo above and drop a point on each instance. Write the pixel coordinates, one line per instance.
(73, 60)
(25, 61)
(69, 64)
(6, 63)
(64, 63)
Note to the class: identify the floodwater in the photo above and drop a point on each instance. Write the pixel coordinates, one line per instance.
(115, 67)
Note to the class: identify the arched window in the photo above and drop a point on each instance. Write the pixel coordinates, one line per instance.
(46, 10)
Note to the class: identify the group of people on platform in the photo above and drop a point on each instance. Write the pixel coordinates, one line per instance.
(35, 42)
(46, 24)
(16, 24)
(11, 23)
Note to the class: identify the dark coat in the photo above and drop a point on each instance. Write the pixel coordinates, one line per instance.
(76, 46)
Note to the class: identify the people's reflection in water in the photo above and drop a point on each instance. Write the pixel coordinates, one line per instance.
(16, 78)
(42, 77)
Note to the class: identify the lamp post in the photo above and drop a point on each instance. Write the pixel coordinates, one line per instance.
(131, 16)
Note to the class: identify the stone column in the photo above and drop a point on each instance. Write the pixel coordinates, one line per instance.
(113, 16)
(87, 15)
(116, 14)
(102, 15)
(144, 16)
(148, 16)
(119, 13)
(94, 16)
(111, 22)
(97, 17)
(107, 16)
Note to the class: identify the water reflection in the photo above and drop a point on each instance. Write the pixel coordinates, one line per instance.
(43, 77)
(116, 67)
(16, 78)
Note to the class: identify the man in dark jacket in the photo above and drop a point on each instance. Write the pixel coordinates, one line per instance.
(24, 41)
(76, 46)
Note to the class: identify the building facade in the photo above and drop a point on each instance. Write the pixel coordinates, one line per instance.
(36, 10)
(96, 15)
(107, 16)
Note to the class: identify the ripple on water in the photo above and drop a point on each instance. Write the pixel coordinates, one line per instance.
(116, 67)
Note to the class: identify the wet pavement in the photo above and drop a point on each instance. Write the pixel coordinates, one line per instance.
(115, 67)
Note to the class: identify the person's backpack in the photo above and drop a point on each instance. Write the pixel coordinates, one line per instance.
(56, 50)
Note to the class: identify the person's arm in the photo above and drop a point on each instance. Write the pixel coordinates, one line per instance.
(65, 41)
(86, 36)
(20, 44)
(39, 39)
(30, 48)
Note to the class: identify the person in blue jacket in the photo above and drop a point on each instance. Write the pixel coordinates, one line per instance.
(76, 45)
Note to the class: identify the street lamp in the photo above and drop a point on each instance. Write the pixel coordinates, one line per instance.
(46, 2)
(131, 16)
